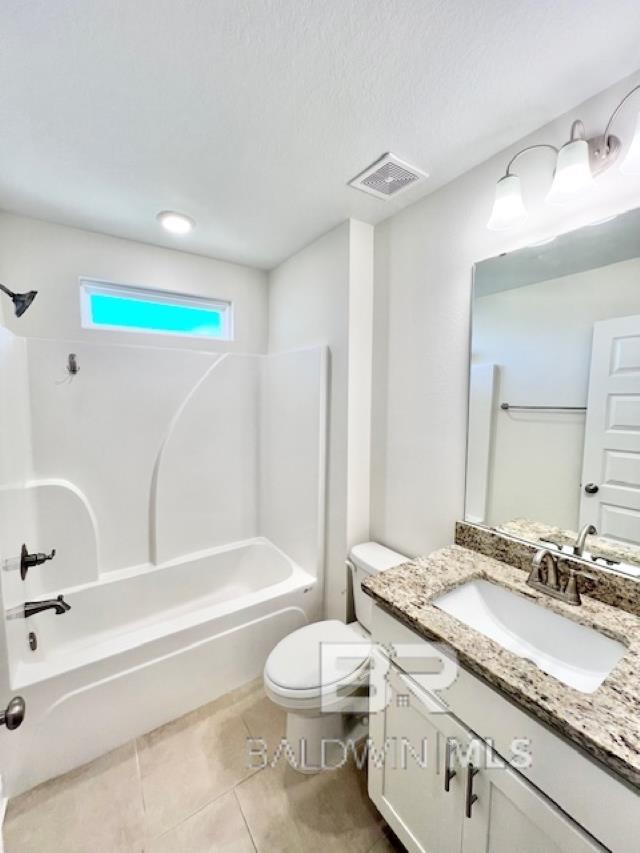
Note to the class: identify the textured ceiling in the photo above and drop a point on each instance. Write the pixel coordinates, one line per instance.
(251, 115)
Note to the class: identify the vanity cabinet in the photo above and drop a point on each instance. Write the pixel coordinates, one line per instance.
(511, 815)
(406, 771)
(444, 790)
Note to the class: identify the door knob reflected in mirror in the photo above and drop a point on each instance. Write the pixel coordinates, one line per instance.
(13, 714)
(591, 489)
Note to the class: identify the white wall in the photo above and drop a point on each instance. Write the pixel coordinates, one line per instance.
(96, 438)
(154, 450)
(323, 295)
(50, 258)
(423, 261)
(540, 338)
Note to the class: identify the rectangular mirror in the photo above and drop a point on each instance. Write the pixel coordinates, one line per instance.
(554, 400)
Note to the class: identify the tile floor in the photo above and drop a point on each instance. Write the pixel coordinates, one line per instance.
(189, 787)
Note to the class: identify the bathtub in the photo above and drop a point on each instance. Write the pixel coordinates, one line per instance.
(142, 646)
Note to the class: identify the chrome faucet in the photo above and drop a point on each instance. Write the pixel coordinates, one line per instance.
(30, 608)
(587, 530)
(544, 578)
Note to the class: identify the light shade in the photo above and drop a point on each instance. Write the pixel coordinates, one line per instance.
(176, 223)
(573, 172)
(631, 163)
(508, 207)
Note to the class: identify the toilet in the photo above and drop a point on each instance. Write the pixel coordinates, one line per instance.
(317, 691)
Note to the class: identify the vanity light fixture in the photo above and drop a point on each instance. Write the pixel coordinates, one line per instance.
(573, 170)
(508, 207)
(578, 162)
(176, 223)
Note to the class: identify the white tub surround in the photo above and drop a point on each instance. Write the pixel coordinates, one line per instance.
(184, 494)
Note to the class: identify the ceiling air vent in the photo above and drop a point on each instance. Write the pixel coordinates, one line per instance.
(387, 177)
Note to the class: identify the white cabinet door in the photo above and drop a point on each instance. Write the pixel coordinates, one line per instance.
(410, 747)
(511, 815)
(611, 470)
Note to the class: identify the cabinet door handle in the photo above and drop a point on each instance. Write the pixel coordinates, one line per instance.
(471, 798)
(448, 772)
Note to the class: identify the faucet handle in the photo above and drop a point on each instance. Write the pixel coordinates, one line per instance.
(534, 574)
(571, 590)
(28, 560)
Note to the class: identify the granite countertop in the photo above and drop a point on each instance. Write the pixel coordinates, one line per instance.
(605, 723)
(597, 546)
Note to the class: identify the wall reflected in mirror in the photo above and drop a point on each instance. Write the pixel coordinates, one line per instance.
(554, 407)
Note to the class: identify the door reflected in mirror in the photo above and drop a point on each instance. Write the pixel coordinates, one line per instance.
(554, 401)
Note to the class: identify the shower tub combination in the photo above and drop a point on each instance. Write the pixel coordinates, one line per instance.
(189, 533)
(140, 649)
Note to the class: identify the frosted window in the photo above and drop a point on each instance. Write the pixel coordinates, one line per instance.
(109, 306)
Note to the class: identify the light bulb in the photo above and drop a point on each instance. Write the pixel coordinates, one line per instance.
(508, 207)
(631, 163)
(176, 223)
(573, 172)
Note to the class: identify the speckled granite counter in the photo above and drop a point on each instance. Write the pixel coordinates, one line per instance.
(605, 723)
(537, 531)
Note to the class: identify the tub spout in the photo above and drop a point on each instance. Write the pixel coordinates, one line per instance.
(58, 604)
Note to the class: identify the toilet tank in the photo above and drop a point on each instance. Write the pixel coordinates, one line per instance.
(364, 560)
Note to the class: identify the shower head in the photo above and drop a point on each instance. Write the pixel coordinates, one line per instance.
(21, 301)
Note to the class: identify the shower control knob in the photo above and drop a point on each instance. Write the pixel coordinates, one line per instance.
(13, 714)
(28, 560)
(591, 489)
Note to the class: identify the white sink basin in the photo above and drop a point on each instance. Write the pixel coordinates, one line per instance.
(578, 656)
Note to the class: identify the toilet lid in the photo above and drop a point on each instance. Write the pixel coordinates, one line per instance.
(297, 663)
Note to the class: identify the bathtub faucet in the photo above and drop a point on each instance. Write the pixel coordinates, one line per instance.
(30, 608)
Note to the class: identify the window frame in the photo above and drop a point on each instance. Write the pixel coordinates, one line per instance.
(93, 286)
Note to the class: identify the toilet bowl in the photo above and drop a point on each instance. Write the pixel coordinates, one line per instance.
(319, 674)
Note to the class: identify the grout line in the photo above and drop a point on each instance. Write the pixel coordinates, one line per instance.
(190, 815)
(244, 818)
(201, 808)
(139, 774)
(250, 771)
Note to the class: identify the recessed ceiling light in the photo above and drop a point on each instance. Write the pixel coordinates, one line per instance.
(176, 223)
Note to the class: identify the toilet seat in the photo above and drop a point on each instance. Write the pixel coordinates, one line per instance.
(294, 674)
